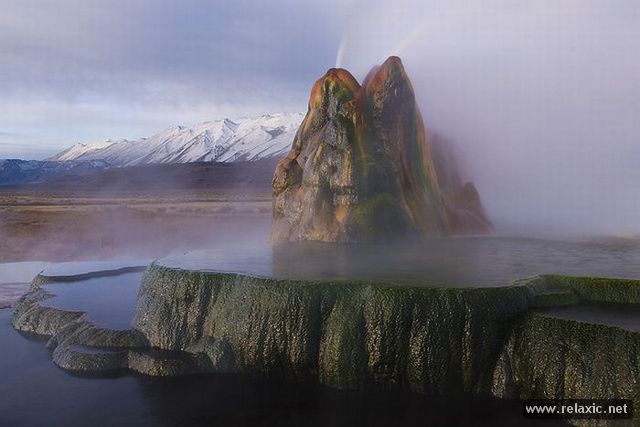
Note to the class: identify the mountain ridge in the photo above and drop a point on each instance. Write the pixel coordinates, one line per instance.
(224, 140)
(18, 172)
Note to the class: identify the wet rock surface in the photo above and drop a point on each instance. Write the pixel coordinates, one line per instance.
(581, 347)
(343, 334)
(360, 168)
(528, 340)
(551, 357)
(77, 344)
(362, 335)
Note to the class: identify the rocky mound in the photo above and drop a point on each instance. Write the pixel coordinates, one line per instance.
(360, 168)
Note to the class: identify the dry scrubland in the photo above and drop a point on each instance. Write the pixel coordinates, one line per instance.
(61, 226)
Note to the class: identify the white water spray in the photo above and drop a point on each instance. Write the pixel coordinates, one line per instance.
(341, 50)
(398, 49)
(407, 41)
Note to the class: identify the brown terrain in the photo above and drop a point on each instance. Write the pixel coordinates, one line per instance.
(143, 212)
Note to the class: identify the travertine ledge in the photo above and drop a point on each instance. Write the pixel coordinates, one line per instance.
(359, 335)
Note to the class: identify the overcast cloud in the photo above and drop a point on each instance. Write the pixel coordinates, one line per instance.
(73, 71)
(542, 97)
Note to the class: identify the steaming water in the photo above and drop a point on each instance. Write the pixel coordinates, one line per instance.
(341, 49)
(464, 262)
(20, 272)
(459, 262)
(34, 392)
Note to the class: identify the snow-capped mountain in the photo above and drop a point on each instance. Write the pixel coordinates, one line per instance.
(219, 140)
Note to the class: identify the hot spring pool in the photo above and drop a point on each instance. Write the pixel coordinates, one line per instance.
(452, 262)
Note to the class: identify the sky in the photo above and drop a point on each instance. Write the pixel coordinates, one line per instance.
(78, 71)
(542, 99)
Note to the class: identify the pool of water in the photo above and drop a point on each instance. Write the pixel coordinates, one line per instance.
(624, 316)
(464, 262)
(36, 393)
(76, 268)
(109, 301)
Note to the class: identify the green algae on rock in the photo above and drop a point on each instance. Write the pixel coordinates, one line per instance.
(76, 343)
(510, 342)
(599, 289)
(343, 334)
(360, 168)
(550, 357)
(372, 335)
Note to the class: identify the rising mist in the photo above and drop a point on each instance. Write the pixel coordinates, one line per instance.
(541, 100)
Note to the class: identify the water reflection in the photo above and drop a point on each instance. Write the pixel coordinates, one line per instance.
(465, 262)
(36, 393)
(108, 301)
(624, 316)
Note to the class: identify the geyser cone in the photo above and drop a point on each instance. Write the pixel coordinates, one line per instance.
(395, 156)
(359, 168)
(313, 187)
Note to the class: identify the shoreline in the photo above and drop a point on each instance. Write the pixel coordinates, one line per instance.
(10, 293)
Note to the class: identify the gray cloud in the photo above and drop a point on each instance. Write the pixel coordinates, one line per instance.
(77, 70)
(74, 48)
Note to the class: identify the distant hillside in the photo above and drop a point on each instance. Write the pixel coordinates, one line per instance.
(20, 172)
(237, 177)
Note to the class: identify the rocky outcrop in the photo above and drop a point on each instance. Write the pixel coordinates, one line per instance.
(362, 335)
(360, 168)
(343, 334)
(76, 343)
(507, 342)
(550, 357)
(464, 209)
